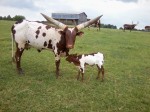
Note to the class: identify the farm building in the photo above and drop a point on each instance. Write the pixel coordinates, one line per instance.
(70, 19)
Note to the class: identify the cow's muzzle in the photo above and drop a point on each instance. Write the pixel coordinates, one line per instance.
(69, 46)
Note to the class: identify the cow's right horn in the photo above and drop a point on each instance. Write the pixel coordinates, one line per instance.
(88, 23)
(55, 22)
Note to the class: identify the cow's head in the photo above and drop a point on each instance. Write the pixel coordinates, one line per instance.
(70, 33)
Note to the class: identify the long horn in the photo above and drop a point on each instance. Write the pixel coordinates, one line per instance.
(88, 23)
(55, 22)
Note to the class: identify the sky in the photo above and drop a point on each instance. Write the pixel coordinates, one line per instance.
(115, 12)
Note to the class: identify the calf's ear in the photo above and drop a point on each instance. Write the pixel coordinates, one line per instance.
(80, 33)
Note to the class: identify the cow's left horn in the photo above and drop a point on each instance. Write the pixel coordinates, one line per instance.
(88, 23)
(55, 22)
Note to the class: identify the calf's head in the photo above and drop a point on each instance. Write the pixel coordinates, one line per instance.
(71, 58)
(70, 33)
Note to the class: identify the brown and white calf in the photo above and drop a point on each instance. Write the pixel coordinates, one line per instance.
(41, 36)
(87, 59)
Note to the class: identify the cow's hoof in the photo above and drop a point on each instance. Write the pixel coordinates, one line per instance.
(97, 78)
(20, 71)
(102, 80)
(58, 76)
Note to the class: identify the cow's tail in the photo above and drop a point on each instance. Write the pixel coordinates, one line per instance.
(12, 42)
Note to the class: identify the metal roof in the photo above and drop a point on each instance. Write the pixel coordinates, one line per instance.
(66, 16)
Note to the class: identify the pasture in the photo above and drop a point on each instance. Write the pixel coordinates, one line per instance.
(126, 86)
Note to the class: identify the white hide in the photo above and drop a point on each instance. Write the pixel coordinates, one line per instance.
(97, 59)
(26, 31)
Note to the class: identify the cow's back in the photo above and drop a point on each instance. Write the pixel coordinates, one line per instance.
(19, 29)
(35, 34)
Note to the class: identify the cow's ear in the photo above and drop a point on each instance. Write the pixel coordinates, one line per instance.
(64, 31)
(80, 33)
(61, 32)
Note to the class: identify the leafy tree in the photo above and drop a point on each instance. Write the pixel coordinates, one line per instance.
(8, 17)
(108, 26)
(18, 18)
(1, 17)
(15, 18)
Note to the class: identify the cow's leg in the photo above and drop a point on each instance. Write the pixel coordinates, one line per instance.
(18, 55)
(57, 62)
(124, 29)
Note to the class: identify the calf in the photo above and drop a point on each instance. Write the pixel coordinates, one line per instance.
(87, 59)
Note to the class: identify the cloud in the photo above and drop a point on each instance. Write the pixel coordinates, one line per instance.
(25, 4)
(127, 1)
(116, 12)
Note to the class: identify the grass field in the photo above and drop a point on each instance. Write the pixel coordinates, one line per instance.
(126, 87)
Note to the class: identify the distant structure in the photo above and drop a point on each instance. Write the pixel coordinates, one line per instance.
(70, 19)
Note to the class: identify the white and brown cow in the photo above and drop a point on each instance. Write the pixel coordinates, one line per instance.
(87, 59)
(147, 28)
(41, 36)
(129, 26)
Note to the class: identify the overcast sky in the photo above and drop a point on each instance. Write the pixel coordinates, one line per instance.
(116, 12)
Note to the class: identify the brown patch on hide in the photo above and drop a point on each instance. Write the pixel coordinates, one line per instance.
(47, 27)
(39, 27)
(45, 44)
(50, 44)
(44, 34)
(37, 33)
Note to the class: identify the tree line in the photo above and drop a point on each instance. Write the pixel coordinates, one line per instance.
(20, 17)
(108, 26)
(15, 18)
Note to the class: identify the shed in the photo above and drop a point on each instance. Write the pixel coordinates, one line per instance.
(70, 19)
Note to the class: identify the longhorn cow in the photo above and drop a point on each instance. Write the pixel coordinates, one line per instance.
(41, 36)
(147, 28)
(129, 26)
(96, 24)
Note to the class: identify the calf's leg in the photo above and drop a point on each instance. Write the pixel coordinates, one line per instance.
(82, 76)
(78, 76)
(82, 72)
(100, 69)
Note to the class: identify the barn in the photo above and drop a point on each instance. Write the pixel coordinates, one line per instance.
(70, 19)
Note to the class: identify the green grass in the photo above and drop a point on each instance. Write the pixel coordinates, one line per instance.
(126, 87)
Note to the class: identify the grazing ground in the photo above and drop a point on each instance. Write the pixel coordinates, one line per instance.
(126, 87)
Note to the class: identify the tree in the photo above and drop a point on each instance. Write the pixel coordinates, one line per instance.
(8, 17)
(108, 26)
(1, 17)
(18, 18)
